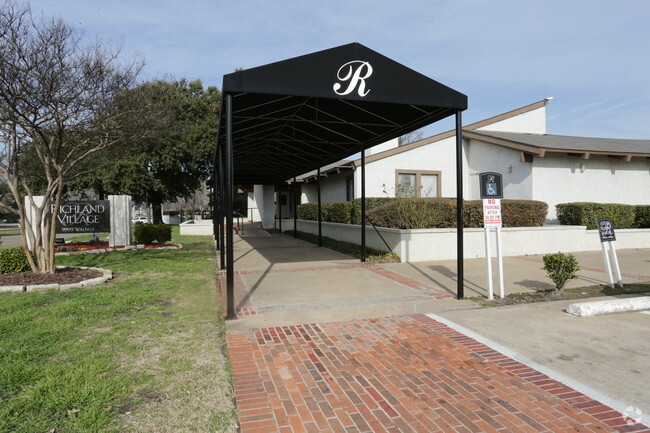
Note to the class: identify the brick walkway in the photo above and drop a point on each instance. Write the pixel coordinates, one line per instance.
(401, 374)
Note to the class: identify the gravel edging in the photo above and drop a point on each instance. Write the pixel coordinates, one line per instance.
(107, 274)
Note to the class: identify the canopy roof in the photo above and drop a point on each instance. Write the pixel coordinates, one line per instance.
(303, 113)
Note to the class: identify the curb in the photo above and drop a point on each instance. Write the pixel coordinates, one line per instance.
(107, 274)
(610, 306)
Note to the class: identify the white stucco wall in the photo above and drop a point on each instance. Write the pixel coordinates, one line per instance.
(532, 122)
(557, 178)
(438, 156)
(390, 144)
(332, 189)
(517, 176)
(253, 211)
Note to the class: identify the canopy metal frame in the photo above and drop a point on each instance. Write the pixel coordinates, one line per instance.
(288, 118)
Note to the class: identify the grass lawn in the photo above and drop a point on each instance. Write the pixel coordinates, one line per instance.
(142, 353)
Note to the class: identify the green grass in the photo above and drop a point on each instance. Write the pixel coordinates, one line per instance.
(7, 232)
(75, 361)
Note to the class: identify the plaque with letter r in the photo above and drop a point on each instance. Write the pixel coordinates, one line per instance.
(491, 185)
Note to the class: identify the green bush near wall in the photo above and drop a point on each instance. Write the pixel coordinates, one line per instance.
(148, 233)
(642, 216)
(441, 213)
(416, 213)
(343, 212)
(587, 214)
(13, 260)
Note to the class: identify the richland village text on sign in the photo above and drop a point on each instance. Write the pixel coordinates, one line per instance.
(88, 216)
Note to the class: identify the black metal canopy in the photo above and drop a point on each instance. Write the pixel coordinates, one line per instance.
(288, 118)
(300, 114)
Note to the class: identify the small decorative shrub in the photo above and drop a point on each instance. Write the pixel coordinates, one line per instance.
(163, 233)
(561, 268)
(587, 214)
(13, 260)
(147, 233)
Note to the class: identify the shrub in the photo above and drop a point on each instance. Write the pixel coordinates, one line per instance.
(308, 211)
(147, 233)
(344, 212)
(587, 214)
(561, 268)
(163, 233)
(13, 260)
(420, 213)
(642, 216)
(371, 203)
(523, 213)
(337, 212)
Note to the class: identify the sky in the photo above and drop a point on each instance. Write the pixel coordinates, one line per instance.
(591, 56)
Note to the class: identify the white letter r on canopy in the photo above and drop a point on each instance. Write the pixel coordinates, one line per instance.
(355, 73)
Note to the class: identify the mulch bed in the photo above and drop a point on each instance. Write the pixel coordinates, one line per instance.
(62, 276)
(581, 293)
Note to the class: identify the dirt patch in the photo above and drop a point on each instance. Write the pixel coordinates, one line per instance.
(61, 276)
(581, 293)
(193, 392)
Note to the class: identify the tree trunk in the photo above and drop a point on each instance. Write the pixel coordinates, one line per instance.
(157, 212)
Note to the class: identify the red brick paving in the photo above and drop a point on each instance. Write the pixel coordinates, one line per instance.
(398, 375)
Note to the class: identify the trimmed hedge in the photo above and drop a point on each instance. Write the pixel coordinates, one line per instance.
(587, 214)
(344, 212)
(421, 213)
(414, 213)
(13, 260)
(147, 233)
(642, 216)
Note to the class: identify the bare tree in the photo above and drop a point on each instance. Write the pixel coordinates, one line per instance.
(60, 101)
(410, 137)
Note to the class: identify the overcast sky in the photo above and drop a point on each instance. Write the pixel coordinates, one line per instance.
(592, 56)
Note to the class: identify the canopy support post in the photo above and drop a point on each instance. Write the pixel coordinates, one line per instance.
(294, 188)
(363, 205)
(222, 213)
(460, 291)
(215, 198)
(320, 218)
(230, 272)
(280, 208)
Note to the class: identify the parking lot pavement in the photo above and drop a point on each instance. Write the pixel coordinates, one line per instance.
(609, 353)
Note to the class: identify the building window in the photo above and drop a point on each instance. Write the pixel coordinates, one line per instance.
(417, 183)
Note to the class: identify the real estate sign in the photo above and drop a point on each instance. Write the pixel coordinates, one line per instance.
(83, 216)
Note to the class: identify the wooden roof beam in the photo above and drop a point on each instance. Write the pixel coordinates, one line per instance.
(626, 158)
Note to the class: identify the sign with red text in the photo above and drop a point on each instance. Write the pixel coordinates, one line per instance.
(492, 212)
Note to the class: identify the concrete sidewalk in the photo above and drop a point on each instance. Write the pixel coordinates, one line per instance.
(299, 363)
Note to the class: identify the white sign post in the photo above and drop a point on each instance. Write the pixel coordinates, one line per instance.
(492, 218)
(607, 236)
